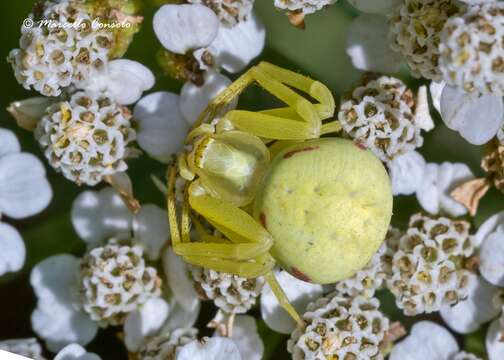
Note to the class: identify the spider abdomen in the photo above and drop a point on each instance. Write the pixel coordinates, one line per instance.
(327, 203)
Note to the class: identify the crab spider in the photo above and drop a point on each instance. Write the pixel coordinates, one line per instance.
(318, 207)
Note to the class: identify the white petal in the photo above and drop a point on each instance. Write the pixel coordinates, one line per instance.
(468, 315)
(449, 177)
(180, 318)
(494, 343)
(492, 258)
(438, 182)
(476, 118)
(488, 227)
(98, 215)
(235, 47)
(368, 45)
(384, 7)
(126, 80)
(423, 118)
(194, 99)
(427, 340)
(144, 322)
(75, 352)
(12, 249)
(9, 143)
(406, 173)
(217, 348)
(55, 318)
(183, 27)
(24, 189)
(161, 126)
(179, 280)
(300, 294)
(23, 347)
(436, 90)
(427, 193)
(246, 338)
(151, 229)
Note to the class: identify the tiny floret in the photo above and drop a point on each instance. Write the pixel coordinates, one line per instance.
(229, 12)
(303, 6)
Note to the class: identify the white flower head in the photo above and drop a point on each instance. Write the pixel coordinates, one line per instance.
(246, 338)
(87, 137)
(299, 293)
(51, 59)
(471, 49)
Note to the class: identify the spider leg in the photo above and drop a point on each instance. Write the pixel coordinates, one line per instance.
(283, 300)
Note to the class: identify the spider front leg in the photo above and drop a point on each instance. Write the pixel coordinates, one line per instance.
(300, 120)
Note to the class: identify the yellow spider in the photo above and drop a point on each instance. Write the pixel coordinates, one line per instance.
(320, 208)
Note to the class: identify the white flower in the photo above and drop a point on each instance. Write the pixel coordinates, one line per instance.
(24, 189)
(490, 236)
(12, 249)
(144, 322)
(185, 27)
(216, 348)
(161, 126)
(299, 293)
(368, 44)
(234, 47)
(427, 340)
(438, 182)
(23, 347)
(99, 215)
(75, 352)
(467, 316)
(375, 6)
(407, 172)
(56, 318)
(494, 344)
(124, 80)
(194, 99)
(246, 338)
(476, 117)
(195, 30)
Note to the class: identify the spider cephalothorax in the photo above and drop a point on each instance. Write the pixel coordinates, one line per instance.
(275, 191)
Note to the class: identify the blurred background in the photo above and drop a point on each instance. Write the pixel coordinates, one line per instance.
(319, 51)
